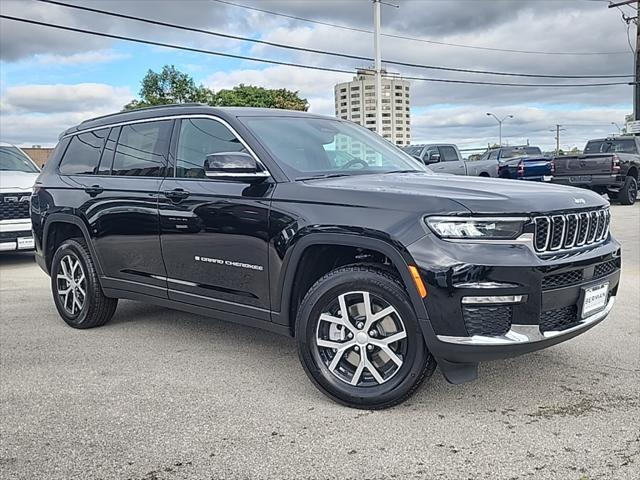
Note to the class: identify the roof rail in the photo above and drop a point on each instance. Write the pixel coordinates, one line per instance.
(155, 107)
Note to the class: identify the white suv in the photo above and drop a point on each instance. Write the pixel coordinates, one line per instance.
(17, 176)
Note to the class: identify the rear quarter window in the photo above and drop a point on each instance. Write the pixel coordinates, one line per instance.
(82, 156)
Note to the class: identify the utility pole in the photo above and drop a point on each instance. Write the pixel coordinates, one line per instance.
(558, 130)
(378, 64)
(636, 56)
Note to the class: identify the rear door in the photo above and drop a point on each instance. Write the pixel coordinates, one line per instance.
(214, 232)
(122, 206)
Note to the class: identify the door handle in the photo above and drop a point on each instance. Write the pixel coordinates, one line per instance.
(176, 194)
(94, 190)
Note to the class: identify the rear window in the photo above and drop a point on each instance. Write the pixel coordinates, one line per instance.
(611, 146)
(520, 152)
(83, 153)
(142, 149)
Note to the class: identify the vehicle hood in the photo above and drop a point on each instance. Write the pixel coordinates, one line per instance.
(480, 195)
(17, 181)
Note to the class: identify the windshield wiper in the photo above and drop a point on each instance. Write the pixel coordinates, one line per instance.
(324, 175)
(403, 171)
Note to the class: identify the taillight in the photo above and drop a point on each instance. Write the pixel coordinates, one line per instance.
(521, 169)
(615, 164)
(553, 166)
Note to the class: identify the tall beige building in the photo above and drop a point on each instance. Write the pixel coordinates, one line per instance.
(356, 101)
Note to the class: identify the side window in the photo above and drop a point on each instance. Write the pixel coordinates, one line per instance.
(83, 153)
(108, 151)
(198, 138)
(429, 151)
(493, 155)
(448, 154)
(142, 149)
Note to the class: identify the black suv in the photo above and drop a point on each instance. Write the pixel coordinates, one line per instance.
(317, 228)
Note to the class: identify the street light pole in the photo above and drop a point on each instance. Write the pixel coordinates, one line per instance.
(499, 120)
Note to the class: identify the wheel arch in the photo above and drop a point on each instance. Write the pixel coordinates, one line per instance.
(62, 226)
(291, 267)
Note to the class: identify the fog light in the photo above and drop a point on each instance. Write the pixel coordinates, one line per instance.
(495, 299)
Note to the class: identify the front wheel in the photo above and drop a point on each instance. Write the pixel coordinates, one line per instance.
(359, 340)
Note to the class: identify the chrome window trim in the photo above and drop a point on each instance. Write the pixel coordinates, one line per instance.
(177, 117)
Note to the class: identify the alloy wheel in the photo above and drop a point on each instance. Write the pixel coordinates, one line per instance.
(72, 284)
(361, 339)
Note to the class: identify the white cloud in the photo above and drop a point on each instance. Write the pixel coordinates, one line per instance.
(64, 98)
(94, 57)
(37, 114)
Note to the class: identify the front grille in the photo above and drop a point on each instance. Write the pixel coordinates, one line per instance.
(559, 319)
(604, 269)
(562, 279)
(562, 232)
(13, 206)
(487, 320)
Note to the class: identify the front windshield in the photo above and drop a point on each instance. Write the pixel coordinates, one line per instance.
(520, 152)
(413, 150)
(316, 147)
(12, 159)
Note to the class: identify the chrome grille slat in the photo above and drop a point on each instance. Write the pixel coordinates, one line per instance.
(562, 232)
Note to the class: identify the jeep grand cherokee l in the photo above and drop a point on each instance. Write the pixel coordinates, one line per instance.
(378, 268)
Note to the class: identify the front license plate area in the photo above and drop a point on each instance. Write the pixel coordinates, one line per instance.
(25, 243)
(594, 299)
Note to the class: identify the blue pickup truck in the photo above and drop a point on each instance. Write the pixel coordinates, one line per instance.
(517, 162)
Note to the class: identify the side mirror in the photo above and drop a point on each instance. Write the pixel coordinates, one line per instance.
(433, 157)
(237, 166)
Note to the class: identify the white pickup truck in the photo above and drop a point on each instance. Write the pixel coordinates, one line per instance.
(17, 176)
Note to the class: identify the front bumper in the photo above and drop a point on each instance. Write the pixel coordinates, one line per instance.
(551, 291)
(16, 235)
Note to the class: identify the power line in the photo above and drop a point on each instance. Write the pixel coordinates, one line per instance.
(414, 39)
(291, 64)
(321, 52)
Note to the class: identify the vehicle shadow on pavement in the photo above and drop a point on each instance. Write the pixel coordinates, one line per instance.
(14, 259)
(496, 386)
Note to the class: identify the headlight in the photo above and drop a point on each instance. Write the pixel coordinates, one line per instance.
(476, 228)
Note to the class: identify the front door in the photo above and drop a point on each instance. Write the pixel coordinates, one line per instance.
(214, 233)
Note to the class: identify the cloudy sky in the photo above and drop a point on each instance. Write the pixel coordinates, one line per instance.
(52, 79)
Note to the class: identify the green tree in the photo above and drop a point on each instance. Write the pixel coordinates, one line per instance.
(250, 96)
(173, 86)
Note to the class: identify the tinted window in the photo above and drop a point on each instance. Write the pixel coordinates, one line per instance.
(198, 138)
(108, 151)
(83, 153)
(12, 159)
(448, 154)
(520, 152)
(141, 149)
(493, 155)
(606, 146)
(413, 150)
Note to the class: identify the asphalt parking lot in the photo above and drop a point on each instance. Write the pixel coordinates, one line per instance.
(160, 394)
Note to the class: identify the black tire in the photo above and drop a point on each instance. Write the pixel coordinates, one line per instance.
(383, 288)
(92, 309)
(629, 191)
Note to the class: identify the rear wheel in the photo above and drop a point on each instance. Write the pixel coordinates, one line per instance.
(359, 340)
(629, 191)
(76, 290)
